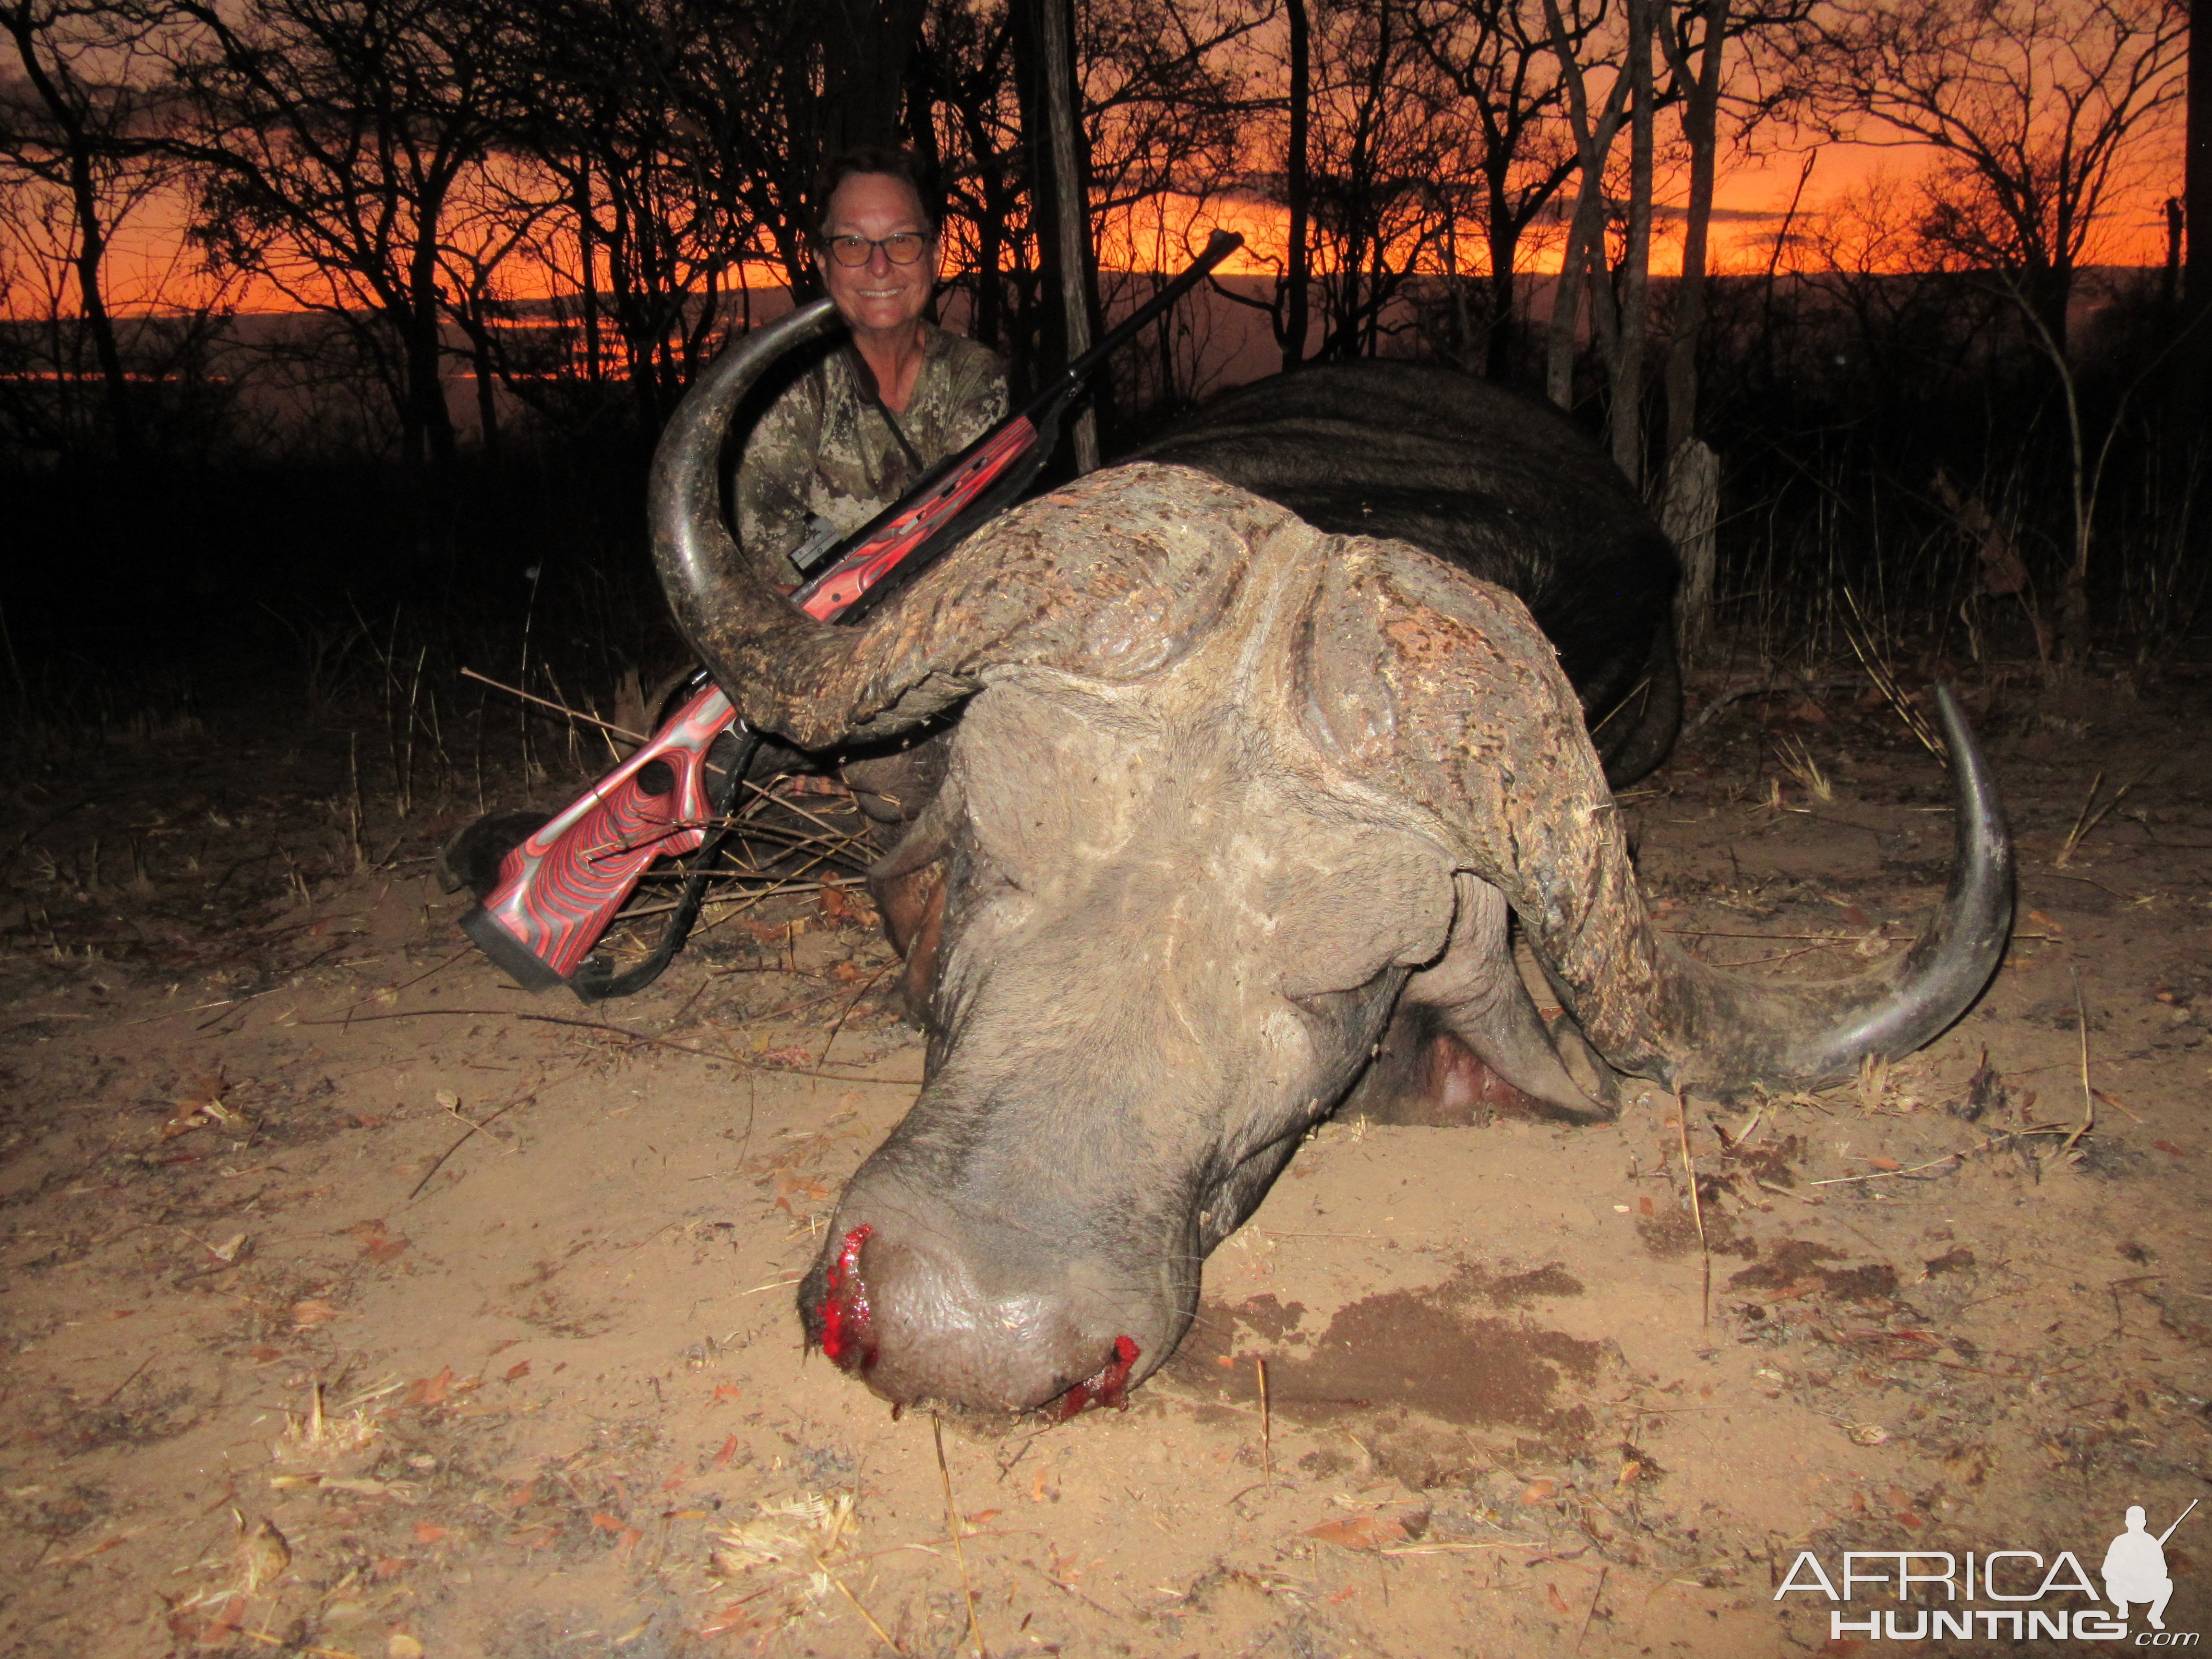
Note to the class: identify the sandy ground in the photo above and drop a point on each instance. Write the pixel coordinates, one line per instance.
(354, 1302)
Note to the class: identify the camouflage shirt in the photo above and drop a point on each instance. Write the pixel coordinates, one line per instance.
(821, 452)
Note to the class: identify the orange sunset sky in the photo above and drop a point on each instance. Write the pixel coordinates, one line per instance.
(152, 267)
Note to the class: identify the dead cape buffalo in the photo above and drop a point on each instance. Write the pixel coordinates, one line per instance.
(1226, 796)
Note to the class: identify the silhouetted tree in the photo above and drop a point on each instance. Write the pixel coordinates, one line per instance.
(74, 134)
(1499, 57)
(2038, 110)
(329, 140)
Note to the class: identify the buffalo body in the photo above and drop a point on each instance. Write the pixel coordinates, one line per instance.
(1228, 804)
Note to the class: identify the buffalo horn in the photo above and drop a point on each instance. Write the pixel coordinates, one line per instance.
(785, 672)
(1483, 730)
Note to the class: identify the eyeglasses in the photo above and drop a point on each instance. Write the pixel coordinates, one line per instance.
(903, 249)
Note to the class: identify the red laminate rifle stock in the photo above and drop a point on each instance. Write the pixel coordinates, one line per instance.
(560, 889)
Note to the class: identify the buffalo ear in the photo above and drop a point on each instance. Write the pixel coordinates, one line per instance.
(1338, 936)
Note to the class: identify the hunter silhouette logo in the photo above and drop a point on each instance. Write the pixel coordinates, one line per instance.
(1923, 1595)
(2134, 1566)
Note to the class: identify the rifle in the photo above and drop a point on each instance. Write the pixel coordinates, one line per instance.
(559, 888)
(2178, 1520)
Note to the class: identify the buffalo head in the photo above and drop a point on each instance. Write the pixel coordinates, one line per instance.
(1225, 796)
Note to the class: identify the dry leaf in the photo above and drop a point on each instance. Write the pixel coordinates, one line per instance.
(264, 1553)
(213, 1630)
(1364, 1532)
(191, 1106)
(797, 1532)
(228, 1249)
(1867, 1434)
(429, 1532)
(2168, 1147)
(1540, 1490)
(311, 1311)
(1873, 1081)
(725, 1391)
(377, 1244)
(403, 1646)
(431, 1390)
(369, 1486)
(733, 1618)
(1559, 1602)
(520, 1368)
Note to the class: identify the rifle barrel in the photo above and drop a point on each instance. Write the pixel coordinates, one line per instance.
(2178, 1520)
(1219, 246)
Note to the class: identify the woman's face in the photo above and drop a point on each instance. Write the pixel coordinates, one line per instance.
(880, 296)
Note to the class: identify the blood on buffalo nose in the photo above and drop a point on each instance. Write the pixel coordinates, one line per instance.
(1109, 1388)
(847, 1337)
(908, 1317)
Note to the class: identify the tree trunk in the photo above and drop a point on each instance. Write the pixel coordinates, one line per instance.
(862, 48)
(1567, 300)
(487, 399)
(587, 260)
(1627, 365)
(425, 348)
(1071, 206)
(2169, 285)
(1504, 249)
(1361, 212)
(1586, 231)
(1701, 126)
(2196, 365)
(1297, 187)
(1689, 512)
(92, 238)
(91, 253)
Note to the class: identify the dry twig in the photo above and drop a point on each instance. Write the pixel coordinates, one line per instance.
(952, 1525)
(2088, 1095)
(2089, 817)
(1697, 1214)
(557, 708)
(1267, 1426)
(1862, 643)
